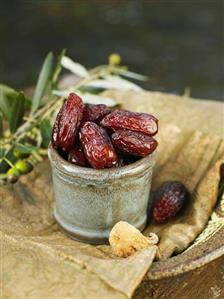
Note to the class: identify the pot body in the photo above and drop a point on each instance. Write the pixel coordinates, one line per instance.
(88, 202)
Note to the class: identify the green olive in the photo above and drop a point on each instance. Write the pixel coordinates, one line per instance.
(114, 59)
(12, 175)
(13, 171)
(23, 166)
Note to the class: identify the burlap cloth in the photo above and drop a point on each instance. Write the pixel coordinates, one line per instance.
(38, 261)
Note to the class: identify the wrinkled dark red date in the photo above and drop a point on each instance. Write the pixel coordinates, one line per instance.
(138, 122)
(97, 146)
(56, 129)
(168, 200)
(77, 157)
(95, 112)
(67, 123)
(133, 143)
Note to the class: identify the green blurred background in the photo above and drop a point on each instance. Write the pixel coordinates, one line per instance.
(177, 43)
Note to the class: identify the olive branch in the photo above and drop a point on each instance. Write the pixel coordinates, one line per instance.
(26, 122)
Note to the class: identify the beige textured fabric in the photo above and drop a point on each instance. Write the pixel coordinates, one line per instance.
(38, 261)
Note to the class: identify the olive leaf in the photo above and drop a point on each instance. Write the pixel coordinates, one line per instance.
(91, 89)
(133, 75)
(5, 105)
(17, 112)
(74, 67)
(4, 166)
(89, 98)
(7, 89)
(45, 129)
(58, 69)
(43, 82)
(7, 96)
(61, 93)
(25, 148)
(2, 152)
(114, 82)
(1, 124)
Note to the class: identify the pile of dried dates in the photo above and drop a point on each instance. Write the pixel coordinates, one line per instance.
(96, 136)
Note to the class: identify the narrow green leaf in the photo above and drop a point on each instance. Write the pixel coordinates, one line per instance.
(58, 69)
(133, 75)
(25, 148)
(5, 105)
(91, 89)
(43, 81)
(74, 67)
(28, 102)
(7, 89)
(1, 125)
(7, 97)
(45, 129)
(4, 166)
(2, 152)
(17, 112)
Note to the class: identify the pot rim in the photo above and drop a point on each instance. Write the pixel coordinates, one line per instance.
(72, 170)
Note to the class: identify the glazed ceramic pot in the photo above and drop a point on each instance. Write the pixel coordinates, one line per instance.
(88, 202)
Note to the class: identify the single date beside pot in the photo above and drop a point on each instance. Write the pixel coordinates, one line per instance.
(168, 200)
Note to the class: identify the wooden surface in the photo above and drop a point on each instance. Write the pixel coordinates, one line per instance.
(206, 282)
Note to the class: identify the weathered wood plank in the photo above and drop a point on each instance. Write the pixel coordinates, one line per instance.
(206, 282)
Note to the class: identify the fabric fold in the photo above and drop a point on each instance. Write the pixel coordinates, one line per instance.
(38, 261)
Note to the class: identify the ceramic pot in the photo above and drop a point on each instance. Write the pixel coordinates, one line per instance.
(88, 202)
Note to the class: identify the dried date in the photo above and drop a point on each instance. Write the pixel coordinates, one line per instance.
(95, 113)
(77, 157)
(56, 129)
(134, 121)
(97, 146)
(168, 200)
(133, 143)
(67, 123)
